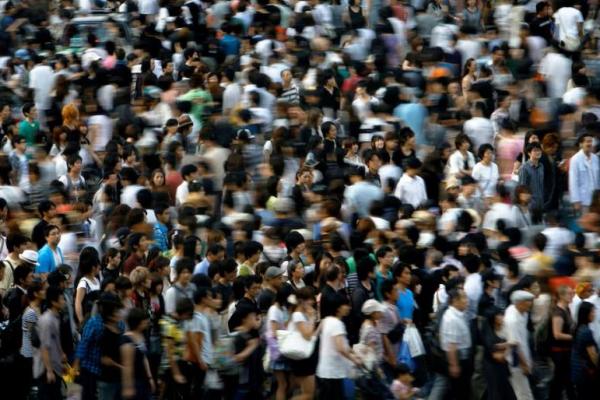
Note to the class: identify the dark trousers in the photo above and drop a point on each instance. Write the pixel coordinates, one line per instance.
(24, 379)
(561, 382)
(331, 389)
(460, 387)
(50, 391)
(89, 385)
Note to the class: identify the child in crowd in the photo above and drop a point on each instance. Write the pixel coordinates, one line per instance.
(402, 387)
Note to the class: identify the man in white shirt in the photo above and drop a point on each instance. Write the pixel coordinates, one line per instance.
(479, 129)
(359, 196)
(473, 284)
(517, 335)
(41, 80)
(232, 95)
(455, 341)
(558, 237)
(498, 210)
(555, 67)
(188, 173)
(584, 174)
(411, 187)
(568, 24)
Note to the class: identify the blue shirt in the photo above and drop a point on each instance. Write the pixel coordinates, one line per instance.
(405, 304)
(46, 262)
(230, 45)
(88, 350)
(160, 236)
(413, 115)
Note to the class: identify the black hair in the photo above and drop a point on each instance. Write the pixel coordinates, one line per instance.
(45, 206)
(387, 287)
(48, 229)
(183, 264)
(184, 306)
(53, 293)
(364, 267)
(135, 317)
(14, 240)
(251, 248)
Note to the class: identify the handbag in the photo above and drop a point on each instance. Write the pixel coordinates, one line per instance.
(293, 345)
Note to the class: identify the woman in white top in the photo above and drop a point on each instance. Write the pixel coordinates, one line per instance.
(277, 319)
(485, 172)
(334, 352)
(303, 320)
(87, 282)
(462, 161)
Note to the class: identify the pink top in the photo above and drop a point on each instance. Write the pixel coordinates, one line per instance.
(507, 150)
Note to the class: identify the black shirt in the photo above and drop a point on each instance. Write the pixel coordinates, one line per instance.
(266, 298)
(109, 347)
(328, 301)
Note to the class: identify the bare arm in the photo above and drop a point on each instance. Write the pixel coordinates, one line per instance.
(593, 354)
(79, 295)
(453, 365)
(557, 323)
(250, 347)
(343, 349)
(127, 372)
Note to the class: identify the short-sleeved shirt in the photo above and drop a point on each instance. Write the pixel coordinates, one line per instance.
(48, 327)
(406, 304)
(371, 336)
(332, 364)
(30, 317)
(109, 347)
(201, 324)
(172, 331)
(580, 361)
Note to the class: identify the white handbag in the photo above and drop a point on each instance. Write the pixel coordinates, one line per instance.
(292, 345)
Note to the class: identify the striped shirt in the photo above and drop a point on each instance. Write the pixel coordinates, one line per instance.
(30, 317)
(290, 95)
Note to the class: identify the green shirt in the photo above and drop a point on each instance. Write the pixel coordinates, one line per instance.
(29, 131)
(199, 98)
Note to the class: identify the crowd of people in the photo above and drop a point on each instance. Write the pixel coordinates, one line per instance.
(382, 199)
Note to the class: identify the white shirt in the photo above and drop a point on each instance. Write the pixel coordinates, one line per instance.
(456, 163)
(556, 69)
(103, 128)
(41, 80)
(332, 365)
(411, 190)
(129, 195)
(575, 96)
(388, 171)
(455, 330)
(474, 289)
(232, 96)
(362, 108)
(486, 177)
(567, 20)
(498, 211)
(182, 193)
(148, 7)
(558, 239)
(515, 325)
(480, 130)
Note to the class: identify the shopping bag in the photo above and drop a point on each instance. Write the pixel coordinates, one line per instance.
(413, 339)
(403, 356)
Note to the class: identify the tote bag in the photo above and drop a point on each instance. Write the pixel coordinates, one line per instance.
(293, 345)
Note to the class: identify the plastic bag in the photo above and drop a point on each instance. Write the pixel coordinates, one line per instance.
(403, 356)
(413, 339)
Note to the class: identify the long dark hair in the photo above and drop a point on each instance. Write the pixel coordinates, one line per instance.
(583, 314)
(88, 260)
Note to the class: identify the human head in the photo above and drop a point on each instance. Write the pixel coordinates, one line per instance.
(534, 151)
(586, 142)
(52, 235)
(16, 243)
(55, 298)
(137, 320)
(184, 269)
(457, 298)
(385, 256)
(47, 209)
